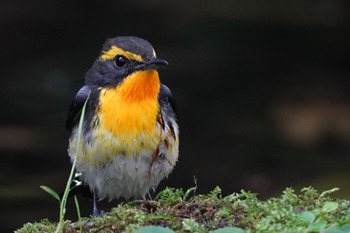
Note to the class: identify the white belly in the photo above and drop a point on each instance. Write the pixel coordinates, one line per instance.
(112, 173)
(127, 176)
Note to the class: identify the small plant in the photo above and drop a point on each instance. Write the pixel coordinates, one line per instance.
(72, 181)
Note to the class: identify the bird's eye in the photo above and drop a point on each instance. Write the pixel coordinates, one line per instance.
(120, 61)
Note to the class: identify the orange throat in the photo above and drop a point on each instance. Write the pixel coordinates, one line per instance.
(131, 108)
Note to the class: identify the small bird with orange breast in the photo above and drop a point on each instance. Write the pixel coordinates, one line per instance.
(130, 135)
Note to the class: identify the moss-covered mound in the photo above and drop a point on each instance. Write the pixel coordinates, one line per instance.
(175, 210)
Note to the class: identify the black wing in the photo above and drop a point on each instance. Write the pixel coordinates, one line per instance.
(166, 100)
(168, 107)
(76, 106)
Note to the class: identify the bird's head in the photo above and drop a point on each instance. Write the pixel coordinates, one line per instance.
(120, 58)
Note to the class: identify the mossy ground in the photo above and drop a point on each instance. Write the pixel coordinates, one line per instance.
(183, 211)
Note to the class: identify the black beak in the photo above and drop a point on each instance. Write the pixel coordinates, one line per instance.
(157, 62)
(154, 63)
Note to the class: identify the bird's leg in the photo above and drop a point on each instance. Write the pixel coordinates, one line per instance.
(149, 196)
(95, 211)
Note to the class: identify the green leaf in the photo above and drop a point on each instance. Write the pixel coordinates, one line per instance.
(188, 192)
(154, 229)
(190, 224)
(228, 230)
(345, 228)
(333, 229)
(78, 214)
(328, 192)
(307, 216)
(330, 206)
(216, 192)
(50, 191)
(316, 226)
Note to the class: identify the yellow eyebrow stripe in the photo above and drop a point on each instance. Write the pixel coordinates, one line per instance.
(114, 51)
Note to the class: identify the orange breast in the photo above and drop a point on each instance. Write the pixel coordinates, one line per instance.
(131, 108)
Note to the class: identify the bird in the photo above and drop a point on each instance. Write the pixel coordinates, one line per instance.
(130, 132)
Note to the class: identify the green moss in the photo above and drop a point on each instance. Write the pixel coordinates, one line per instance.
(182, 211)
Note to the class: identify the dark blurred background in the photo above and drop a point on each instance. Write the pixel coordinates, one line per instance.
(262, 88)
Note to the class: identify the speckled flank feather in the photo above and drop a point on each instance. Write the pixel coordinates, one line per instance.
(115, 175)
